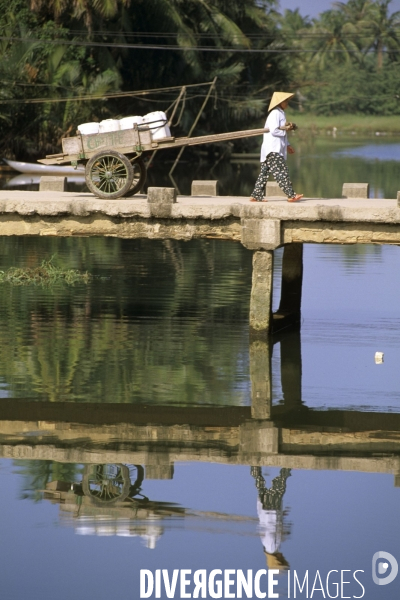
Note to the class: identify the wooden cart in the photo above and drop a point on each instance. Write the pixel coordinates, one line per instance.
(114, 163)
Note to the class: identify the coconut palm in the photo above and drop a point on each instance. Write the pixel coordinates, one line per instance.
(331, 43)
(384, 31)
(85, 10)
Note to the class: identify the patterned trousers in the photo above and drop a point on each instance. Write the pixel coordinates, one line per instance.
(275, 164)
(271, 499)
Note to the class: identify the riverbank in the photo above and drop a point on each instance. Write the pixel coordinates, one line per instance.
(349, 124)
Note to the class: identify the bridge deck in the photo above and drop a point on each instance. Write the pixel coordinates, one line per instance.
(263, 226)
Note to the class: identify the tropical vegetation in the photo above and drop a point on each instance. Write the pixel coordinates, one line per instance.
(64, 62)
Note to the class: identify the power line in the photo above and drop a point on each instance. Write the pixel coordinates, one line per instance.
(101, 97)
(257, 36)
(175, 48)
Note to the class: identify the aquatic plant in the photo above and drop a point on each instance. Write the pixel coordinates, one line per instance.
(47, 274)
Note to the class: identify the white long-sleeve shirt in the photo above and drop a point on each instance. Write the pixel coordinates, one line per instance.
(270, 528)
(276, 140)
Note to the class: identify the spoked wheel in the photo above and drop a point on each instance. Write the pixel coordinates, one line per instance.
(109, 174)
(139, 177)
(106, 484)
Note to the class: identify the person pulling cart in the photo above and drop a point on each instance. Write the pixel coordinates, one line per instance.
(274, 150)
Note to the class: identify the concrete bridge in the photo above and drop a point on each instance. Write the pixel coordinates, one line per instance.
(260, 227)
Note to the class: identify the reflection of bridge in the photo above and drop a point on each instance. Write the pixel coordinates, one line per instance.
(326, 440)
(289, 435)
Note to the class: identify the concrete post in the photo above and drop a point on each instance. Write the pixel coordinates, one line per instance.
(205, 188)
(160, 201)
(355, 190)
(161, 195)
(51, 183)
(261, 291)
(260, 376)
(272, 189)
(159, 471)
(292, 279)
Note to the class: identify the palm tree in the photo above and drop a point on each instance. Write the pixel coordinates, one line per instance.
(331, 43)
(358, 14)
(371, 25)
(384, 31)
(79, 9)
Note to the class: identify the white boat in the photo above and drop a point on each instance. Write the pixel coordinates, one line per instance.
(34, 179)
(24, 167)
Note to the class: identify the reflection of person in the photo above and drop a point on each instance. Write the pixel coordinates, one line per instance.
(274, 150)
(270, 514)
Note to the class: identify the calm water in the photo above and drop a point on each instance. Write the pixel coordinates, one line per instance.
(126, 435)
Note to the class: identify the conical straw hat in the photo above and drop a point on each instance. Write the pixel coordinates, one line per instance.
(277, 98)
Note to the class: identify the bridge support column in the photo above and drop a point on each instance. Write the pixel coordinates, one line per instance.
(291, 369)
(260, 376)
(289, 311)
(261, 291)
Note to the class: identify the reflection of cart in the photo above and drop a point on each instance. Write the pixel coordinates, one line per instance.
(111, 482)
(114, 164)
(108, 501)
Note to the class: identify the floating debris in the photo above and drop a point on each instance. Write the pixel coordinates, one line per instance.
(378, 358)
(47, 274)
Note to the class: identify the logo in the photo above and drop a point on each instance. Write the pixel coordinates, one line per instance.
(380, 565)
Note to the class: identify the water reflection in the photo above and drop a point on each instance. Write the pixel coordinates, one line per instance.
(22, 181)
(160, 322)
(133, 472)
(270, 513)
(108, 501)
(287, 434)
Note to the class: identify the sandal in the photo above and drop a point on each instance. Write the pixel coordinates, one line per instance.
(295, 198)
(254, 200)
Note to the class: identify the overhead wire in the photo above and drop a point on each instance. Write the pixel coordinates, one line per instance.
(176, 48)
(100, 96)
(212, 36)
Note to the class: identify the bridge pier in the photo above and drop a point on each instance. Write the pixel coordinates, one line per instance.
(261, 291)
(291, 370)
(261, 379)
(289, 311)
(262, 321)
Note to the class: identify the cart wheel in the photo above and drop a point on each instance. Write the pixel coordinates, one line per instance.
(109, 174)
(139, 177)
(106, 484)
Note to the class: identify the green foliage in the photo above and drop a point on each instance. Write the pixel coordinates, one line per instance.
(348, 59)
(361, 91)
(47, 274)
(64, 50)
